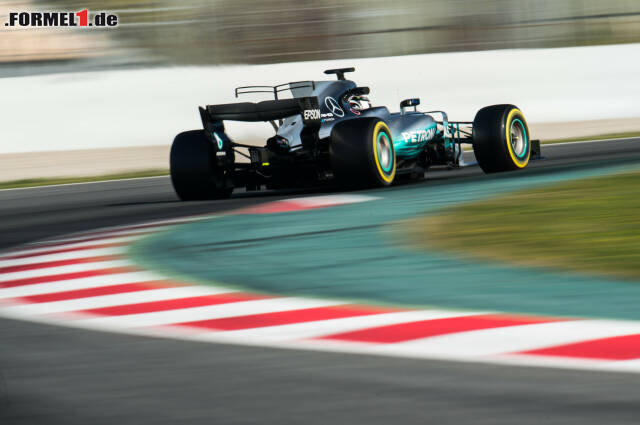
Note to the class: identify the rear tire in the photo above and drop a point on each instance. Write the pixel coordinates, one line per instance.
(362, 153)
(194, 171)
(501, 139)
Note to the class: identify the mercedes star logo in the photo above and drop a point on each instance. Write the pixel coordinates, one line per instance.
(333, 106)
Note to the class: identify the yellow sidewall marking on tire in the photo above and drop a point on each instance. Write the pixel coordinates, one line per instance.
(510, 117)
(382, 126)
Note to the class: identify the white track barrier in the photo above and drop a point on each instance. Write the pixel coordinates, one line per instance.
(148, 107)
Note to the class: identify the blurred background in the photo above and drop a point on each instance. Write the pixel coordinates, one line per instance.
(579, 59)
(202, 32)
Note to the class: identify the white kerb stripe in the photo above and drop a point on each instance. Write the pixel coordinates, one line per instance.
(143, 296)
(624, 365)
(98, 252)
(321, 328)
(513, 339)
(82, 283)
(71, 268)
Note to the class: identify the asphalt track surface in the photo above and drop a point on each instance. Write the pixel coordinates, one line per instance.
(55, 375)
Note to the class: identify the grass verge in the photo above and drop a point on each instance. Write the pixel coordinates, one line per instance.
(589, 226)
(67, 180)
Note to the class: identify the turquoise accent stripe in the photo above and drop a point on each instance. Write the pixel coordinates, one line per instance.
(404, 147)
(526, 138)
(219, 141)
(390, 167)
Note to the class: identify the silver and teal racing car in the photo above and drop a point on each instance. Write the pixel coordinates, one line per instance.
(328, 132)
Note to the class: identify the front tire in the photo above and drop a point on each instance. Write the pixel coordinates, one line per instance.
(501, 139)
(362, 153)
(195, 173)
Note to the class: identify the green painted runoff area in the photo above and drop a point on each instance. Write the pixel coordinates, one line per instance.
(590, 226)
(355, 252)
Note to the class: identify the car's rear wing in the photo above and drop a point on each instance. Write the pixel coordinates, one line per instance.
(269, 110)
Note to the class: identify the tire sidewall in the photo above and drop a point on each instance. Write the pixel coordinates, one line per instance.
(514, 115)
(492, 138)
(354, 153)
(380, 130)
(195, 174)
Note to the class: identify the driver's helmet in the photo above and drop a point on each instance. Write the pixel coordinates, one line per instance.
(358, 103)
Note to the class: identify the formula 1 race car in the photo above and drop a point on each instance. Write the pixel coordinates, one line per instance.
(328, 132)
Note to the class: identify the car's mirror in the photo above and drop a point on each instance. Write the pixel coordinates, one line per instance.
(409, 102)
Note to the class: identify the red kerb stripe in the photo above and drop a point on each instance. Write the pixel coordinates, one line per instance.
(283, 206)
(126, 229)
(60, 263)
(65, 276)
(154, 306)
(91, 239)
(95, 292)
(62, 250)
(615, 348)
(428, 328)
(285, 317)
